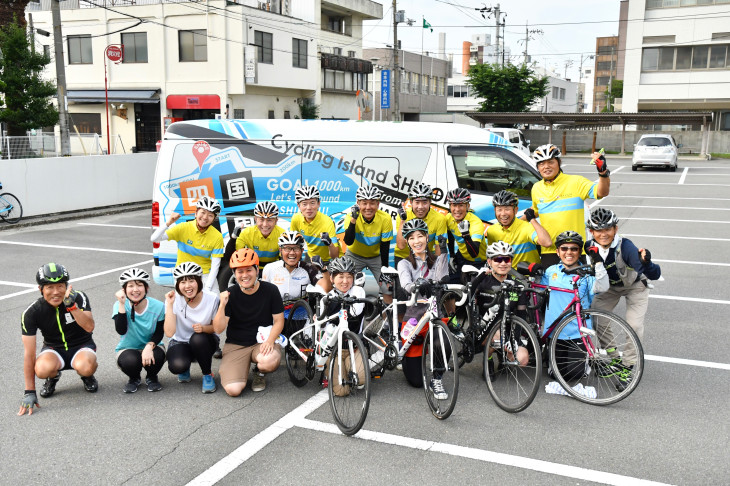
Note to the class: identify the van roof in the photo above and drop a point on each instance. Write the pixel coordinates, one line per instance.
(333, 130)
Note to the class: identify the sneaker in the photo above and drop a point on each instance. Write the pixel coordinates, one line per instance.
(325, 383)
(624, 378)
(184, 377)
(50, 386)
(153, 384)
(437, 388)
(259, 383)
(209, 385)
(90, 383)
(132, 385)
(218, 353)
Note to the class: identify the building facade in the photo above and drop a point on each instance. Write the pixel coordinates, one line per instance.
(220, 58)
(605, 69)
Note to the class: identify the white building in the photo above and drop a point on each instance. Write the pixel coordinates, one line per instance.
(677, 58)
(190, 60)
(562, 94)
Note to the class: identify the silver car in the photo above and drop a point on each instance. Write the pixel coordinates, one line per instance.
(656, 150)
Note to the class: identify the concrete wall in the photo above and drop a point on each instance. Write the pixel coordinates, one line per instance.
(55, 185)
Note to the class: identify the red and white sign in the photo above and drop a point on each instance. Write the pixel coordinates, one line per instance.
(114, 53)
(201, 150)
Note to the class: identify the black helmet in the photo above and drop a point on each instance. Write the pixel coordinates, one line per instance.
(413, 225)
(458, 195)
(602, 218)
(341, 265)
(51, 273)
(568, 237)
(504, 198)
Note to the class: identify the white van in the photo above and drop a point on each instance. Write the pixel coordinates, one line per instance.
(514, 137)
(241, 162)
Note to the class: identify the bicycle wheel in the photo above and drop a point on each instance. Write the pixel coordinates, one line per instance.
(608, 369)
(440, 370)
(350, 394)
(512, 380)
(299, 316)
(459, 320)
(10, 208)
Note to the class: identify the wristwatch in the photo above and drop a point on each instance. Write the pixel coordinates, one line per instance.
(605, 174)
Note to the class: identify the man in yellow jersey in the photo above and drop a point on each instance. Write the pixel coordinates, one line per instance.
(523, 236)
(316, 228)
(420, 196)
(467, 230)
(264, 235)
(197, 241)
(558, 198)
(368, 233)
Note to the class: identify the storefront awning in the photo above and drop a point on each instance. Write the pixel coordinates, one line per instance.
(193, 102)
(115, 95)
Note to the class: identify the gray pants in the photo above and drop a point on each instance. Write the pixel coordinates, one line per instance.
(637, 302)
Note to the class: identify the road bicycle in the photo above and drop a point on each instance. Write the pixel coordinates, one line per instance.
(601, 366)
(512, 377)
(325, 343)
(382, 336)
(10, 208)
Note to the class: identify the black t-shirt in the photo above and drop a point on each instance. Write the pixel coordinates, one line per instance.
(486, 287)
(248, 312)
(57, 325)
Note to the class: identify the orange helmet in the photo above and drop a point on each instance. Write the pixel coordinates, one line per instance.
(245, 257)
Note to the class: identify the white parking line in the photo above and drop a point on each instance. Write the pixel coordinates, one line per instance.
(85, 277)
(690, 299)
(689, 262)
(18, 284)
(676, 237)
(688, 362)
(674, 220)
(662, 207)
(116, 225)
(675, 198)
(684, 175)
(669, 184)
(63, 247)
(521, 462)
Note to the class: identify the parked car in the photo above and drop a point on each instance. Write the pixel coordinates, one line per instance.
(514, 137)
(656, 150)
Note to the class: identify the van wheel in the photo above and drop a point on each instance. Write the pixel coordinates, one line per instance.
(633, 167)
(225, 278)
(673, 168)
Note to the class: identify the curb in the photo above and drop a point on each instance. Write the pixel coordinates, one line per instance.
(79, 214)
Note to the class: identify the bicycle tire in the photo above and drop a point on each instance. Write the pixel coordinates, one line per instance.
(613, 369)
(10, 208)
(462, 317)
(295, 365)
(448, 371)
(513, 387)
(349, 399)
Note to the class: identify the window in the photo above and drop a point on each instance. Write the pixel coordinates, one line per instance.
(562, 93)
(450, 91)
(666, 58)
(604, 66)
(87, 123)
(339, 80)
(271, 114)
(79, 49)
(264, 42)
(425, 87)
(556, 92)
(239, 113)
(351, 53)
(717, 56)
(193, 45)
(654, 142)
(416, 85)
(699, 57)
(684, 57)
(135, 47)
(491, 169)
(329, 79)
(601, 81)
(337, 51)
(287, 115)
(605, 50)
(299, 53)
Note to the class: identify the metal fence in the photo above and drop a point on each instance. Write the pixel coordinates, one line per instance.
(47, 144)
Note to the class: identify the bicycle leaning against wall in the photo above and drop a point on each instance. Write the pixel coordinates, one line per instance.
(10, 208)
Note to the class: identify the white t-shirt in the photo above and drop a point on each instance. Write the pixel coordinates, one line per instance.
(292, 285)
(186, 316)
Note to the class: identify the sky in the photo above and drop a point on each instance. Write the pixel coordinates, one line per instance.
(570, 28)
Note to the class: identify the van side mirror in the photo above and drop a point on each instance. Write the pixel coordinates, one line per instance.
(527, 142)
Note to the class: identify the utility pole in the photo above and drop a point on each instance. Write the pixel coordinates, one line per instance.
(32, 33)
(610, 82)
(527, 39)
(496, 20)
(395, 82)
(60, 78)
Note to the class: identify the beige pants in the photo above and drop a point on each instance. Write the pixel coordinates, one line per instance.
(343, 390)
(637, 302)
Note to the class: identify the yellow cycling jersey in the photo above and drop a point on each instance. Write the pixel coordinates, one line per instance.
(312, 232)
(521, 235)
(195, 246)
(267, 248)
(476, 231)
(559, 204)
(436, 223)
(369, 235)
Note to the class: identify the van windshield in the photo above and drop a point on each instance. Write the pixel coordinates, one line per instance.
(488, 170)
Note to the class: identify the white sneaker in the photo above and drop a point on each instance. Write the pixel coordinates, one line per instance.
(437, 388)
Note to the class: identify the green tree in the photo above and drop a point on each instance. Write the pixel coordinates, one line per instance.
(25, 94)
(506, 89)
(616, 90)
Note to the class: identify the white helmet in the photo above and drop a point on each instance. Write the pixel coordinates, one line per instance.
(500, 248)
(306, 192)
(368, 192)
(187, 269)
(266, 209)
(291, 238)
(132, 274)
(208, 203)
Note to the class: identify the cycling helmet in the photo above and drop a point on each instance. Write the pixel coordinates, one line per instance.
(208, 203)
(458, 195)
(51, 273)
(341, 265)
(134, 274)
(266, 209)
(602, 218)
(500, 248)
(368, 192)
(421, 191)
(291, 238)
(546, 152)
(187, 269)
(413, 225)
(245, 257)
(504, 198)
(306, 192)
(568, 237)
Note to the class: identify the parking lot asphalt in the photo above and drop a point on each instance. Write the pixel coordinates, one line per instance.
(673, 429)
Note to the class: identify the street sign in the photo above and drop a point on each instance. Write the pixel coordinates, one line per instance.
(114, 53)
(385, 88)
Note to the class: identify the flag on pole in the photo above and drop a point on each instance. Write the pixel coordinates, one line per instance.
(426, 25)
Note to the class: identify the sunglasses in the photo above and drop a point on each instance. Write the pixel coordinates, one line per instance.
(569, 248)
(290, 249)
(502, 259)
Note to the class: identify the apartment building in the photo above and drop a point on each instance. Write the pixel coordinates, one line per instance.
(605, 69)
